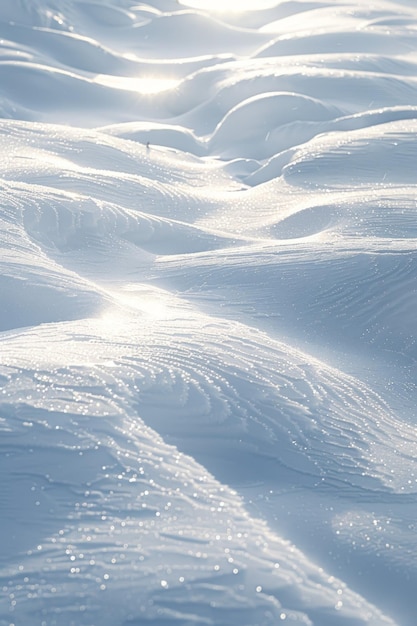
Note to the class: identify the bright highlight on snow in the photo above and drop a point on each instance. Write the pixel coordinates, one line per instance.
(145, 85)
(207, 313)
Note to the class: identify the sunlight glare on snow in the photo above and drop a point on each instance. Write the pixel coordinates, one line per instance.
(152, 303)
(145, 85)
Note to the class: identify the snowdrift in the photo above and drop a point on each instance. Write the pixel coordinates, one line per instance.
(207, 314)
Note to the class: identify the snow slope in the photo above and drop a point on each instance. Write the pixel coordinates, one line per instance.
(207, 313)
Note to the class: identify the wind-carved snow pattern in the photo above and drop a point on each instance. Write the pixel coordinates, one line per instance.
(207, 319)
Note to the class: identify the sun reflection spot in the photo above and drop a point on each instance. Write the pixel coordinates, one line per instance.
(143, 84)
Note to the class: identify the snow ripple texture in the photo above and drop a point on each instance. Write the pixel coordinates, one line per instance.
(207, 314)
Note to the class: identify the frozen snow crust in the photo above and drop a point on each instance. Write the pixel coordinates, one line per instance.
(207, 314)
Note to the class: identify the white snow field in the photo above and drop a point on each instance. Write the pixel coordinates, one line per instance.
(208, 296)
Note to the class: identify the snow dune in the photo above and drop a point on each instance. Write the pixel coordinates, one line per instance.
(207, 328)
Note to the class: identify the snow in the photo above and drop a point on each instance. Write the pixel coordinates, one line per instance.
(207, 313)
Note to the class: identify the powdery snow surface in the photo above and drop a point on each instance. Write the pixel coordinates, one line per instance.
(208, 290)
